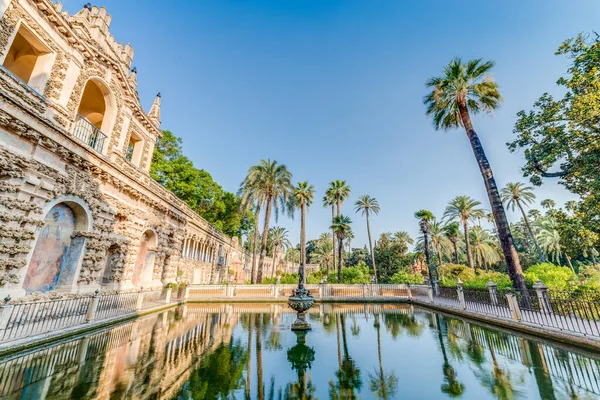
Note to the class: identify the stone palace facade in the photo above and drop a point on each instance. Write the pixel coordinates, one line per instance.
(78, 208)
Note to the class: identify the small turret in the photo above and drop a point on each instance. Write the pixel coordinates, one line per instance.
(154, 113)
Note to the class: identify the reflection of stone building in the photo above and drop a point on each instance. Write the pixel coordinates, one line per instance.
(74, 136)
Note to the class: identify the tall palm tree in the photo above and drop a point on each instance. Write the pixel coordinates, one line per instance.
(252, 199)
(280, 239)
(366, 205)
(451, 231)
(272, 182)
(322, 253)
(461, 90)
(550, 241)
(439, 242)
(548, 204)
(534, 214)
(303, 194)
(517, 194)
(484, 247)
(464, 208)
(425, 217)
(349, 239)
(340, 191)
(329, 200)
(403, 238)
(341, 226)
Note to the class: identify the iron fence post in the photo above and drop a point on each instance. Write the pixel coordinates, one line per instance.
(461, 294)
(493, 289)
(542, 294)
(92, 307)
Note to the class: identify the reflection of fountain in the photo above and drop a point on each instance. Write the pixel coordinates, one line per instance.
(301, 300)
(301, 357)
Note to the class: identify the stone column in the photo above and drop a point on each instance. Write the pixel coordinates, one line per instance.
(542, 294)
(168, 295)
(92, 307)
(513, 305)
(461, 295)
(492, 288)
(408, 291)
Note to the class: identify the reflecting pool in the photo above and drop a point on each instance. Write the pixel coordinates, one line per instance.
(247, 351)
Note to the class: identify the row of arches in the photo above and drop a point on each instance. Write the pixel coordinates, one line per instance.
(204, 251)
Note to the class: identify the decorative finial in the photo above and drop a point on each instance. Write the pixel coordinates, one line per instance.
(158, 94)
(7, 299)
(88, 6)
(134, 70)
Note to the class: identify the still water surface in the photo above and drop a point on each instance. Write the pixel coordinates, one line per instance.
(248, 352)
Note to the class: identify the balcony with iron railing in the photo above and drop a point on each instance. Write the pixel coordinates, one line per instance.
(88, 133)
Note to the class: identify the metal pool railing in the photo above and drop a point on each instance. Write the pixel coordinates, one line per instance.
(540, 307)
(22, 320)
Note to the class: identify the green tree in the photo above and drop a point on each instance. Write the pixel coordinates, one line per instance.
(559, 138)
(303, 196)
(365, 205)
(517, 194)
(403, 237)
(463, 209)
(273, 183)
(451, 231)
(425, 217)
(281, 241)
(483, 247)
(175, 172)
(323, 251)
(464, 89)
(340, 226)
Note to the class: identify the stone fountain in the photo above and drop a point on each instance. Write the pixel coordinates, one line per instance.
(300, 301)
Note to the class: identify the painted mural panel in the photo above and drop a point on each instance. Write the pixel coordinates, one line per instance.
(50, 257)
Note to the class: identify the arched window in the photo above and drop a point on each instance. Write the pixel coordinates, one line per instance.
(95, 114)
(57, 254)
(28, 59)
(144, 263)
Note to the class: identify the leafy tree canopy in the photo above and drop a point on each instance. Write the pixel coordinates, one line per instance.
(175, 172)
(561, 137)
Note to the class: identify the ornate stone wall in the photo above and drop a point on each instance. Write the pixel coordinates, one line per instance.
(43, 163)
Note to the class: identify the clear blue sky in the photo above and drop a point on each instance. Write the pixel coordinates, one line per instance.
(333, 89)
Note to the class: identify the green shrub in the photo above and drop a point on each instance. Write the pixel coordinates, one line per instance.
(554, 277)
(315, 277)
(481, 280)
(356, 274)
(407, 277)
(449, 273)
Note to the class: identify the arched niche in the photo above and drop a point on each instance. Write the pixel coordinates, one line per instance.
(113, 257)
(96, 112)
(55, 261)
(144, 262)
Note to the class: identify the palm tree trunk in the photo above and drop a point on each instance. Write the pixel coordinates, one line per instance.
(333, 236)
(263, 245)
(254, 243)
(427, 261)
(569, 262)
(455, 252)
(468, 243)
(537, 246)
(340, 250)
(439, 254)
(301, 277)
(339, 347)
(275, 249)
(371, 244)
(506, 240)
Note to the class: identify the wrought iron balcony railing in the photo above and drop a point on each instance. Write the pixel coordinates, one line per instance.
(89, 134)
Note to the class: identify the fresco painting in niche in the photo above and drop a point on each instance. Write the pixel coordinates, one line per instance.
(50, 254)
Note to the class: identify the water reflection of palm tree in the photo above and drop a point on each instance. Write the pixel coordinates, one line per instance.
(499, 383)
(355, 328)
(451, 386)
(249, 363)
(540, 371)
(395, 322)
(383, 386)
(259, 366)
(348, 374)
